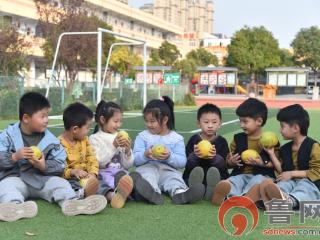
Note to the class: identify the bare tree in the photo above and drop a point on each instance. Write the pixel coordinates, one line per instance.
(75, 52)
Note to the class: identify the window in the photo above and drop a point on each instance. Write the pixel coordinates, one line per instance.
(152, 31)
(131, 25)
(5, 21)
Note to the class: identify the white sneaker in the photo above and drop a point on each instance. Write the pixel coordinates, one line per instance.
(10, 212)
(90, 205)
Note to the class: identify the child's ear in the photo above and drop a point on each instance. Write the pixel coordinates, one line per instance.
(74, 129)
(220, 124)
(25, 118)
(296, 127)
(259, 120)
(102, 120)
(198, 123)
(165, 120)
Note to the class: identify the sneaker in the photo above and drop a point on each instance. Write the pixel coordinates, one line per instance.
(196, 176)
(254, 193)
(221, 191)
(193, 194)
(122, 191)
(90, 205)
(91, 186)
(118, 176)
(10, 212)
(143, 188)
(212, 179)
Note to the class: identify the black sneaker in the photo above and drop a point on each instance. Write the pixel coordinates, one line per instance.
(143, 188)
(193, 194)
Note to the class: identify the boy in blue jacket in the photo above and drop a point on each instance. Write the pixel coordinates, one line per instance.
(23, 176)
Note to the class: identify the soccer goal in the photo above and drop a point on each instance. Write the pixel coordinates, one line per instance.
(100, 74)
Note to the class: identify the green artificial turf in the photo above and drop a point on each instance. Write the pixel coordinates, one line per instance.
(145, 221)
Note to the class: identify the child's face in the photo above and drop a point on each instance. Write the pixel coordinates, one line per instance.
(153, 125)
(113, 124)
(79, 133)
(209, 123)
(288, 131)
(250, 125)
(38, 122)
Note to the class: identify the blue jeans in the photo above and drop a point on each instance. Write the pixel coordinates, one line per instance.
(241, 184)
(301, 189)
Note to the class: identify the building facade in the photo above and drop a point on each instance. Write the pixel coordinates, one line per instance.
(181, 22)
(191, 15)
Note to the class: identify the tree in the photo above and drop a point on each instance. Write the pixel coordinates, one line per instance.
(168, 53)
(286, 58)
(202, 57)
(122, 60)
(154, 58)
(76, 51)
(187, 67)
(13, 51)
(252, 50)
(306, 46)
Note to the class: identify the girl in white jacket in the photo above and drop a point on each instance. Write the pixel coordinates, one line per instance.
(113, 152)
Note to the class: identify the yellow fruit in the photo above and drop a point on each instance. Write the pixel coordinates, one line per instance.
(204, 147)
(245, 155)
(83, 182)
(268, 139)
(123, 134)
(36, 151)
(157, 150)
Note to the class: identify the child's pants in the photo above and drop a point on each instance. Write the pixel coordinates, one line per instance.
(162, 177)
(301, 189)
(108, 175)
(241, 184)
(217, 162)
(56, 189)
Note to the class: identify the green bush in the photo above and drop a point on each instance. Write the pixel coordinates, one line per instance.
(9, 100)
(189, 99)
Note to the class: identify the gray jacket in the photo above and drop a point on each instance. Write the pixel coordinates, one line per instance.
(55, 156)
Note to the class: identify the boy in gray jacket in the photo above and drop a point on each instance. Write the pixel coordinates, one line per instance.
(22, 175)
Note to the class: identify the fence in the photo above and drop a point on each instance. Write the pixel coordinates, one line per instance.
(129, 96)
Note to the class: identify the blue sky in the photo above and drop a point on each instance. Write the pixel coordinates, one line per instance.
(284, 18)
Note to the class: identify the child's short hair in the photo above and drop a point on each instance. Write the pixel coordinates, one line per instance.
(76, 114)
(253, 108)
(208, 108)
(295, 114)
(31, 103)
